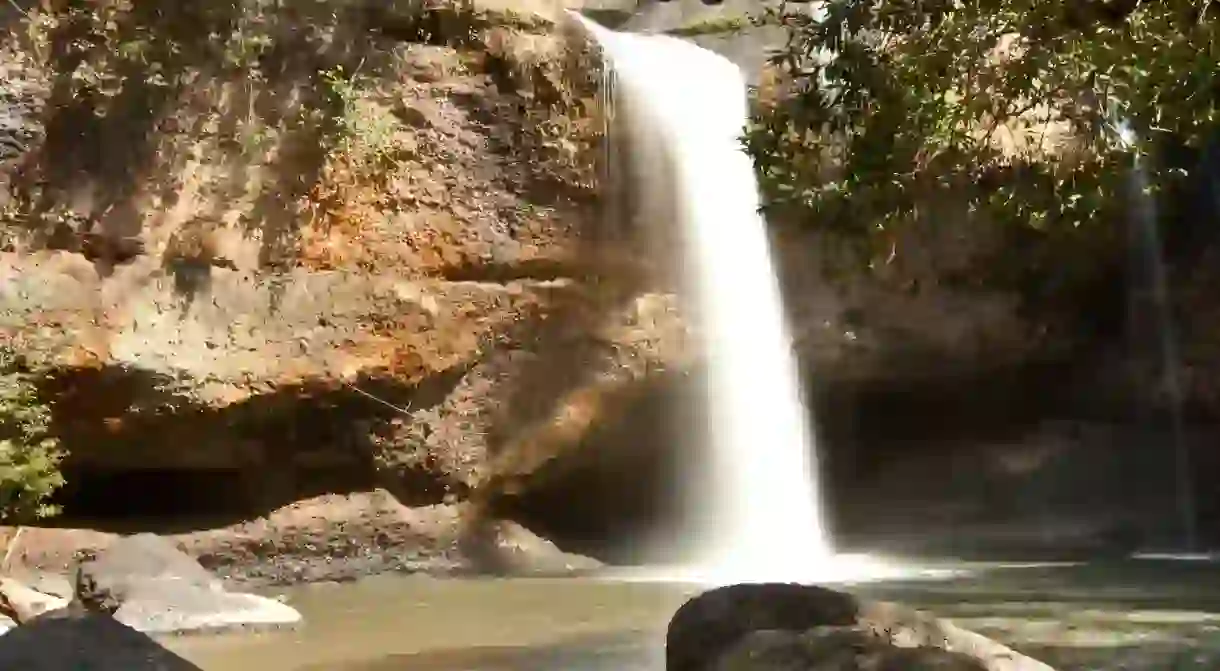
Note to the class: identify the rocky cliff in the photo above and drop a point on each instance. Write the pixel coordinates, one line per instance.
(282, 250)
(309, 247)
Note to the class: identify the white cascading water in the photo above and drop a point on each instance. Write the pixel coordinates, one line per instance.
(687, 107)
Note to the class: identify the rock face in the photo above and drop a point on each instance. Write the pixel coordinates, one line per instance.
(365, 246)
(150, 585)
(390, 262)
(802, 627)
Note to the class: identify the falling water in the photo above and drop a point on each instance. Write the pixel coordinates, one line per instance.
(1147, 244)
(687, 110)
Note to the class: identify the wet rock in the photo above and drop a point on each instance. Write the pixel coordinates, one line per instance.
(706, 626)
(836, 649)
(507, 548)
(6, 624)
(164, 611)
(149, 584)
(790, 626)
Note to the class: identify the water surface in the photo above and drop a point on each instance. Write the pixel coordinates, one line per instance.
(1137, 615)
(424, 623)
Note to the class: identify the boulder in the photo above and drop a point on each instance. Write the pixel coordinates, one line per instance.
(836, 649)
(507, 548)
(54, 584)
(22, 604)
(791, 626)
(80, 640)
(149, 584)
(141, 563)
(166, 611)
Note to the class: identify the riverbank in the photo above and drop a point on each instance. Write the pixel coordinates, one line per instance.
(330, 538)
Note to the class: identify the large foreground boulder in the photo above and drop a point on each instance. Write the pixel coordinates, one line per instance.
(73, 639)
(790, 627)
(151, 585)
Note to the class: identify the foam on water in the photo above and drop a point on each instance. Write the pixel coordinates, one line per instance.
(687, 110)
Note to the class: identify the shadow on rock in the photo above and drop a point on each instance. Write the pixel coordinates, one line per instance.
(63, 641)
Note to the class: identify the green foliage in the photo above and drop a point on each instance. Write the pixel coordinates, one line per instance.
(366, 129)
(921, 100)
(29, 454)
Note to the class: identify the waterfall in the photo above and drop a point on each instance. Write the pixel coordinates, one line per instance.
(684, 109)
(1150, 274)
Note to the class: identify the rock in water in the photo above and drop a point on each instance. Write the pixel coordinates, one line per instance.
(791, 627)
(149, 584)
(172, 611)
(836, 649)
(707, 625)
(84, 641)
(507, 548)
(107, 578)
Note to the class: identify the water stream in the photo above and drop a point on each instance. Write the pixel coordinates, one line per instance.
(1152, 285)
(758, 503)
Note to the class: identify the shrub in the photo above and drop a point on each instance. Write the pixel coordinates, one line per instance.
(29, 453)
(1033, 111)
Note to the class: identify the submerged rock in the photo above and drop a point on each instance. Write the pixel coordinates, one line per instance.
(809, 628)
(149, 584)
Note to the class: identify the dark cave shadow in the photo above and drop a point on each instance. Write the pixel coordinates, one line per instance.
(872, 422)
(92, 641)
(303, 441)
